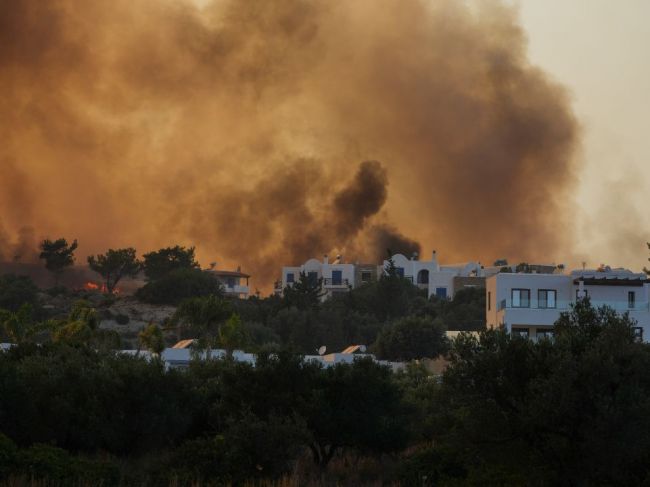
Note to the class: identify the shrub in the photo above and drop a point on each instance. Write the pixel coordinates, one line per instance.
(16, 291)
(122, 319)
(178, 285)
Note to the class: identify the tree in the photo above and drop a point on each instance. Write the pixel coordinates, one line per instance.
(15, 291)
(355, 406)
(161, 262)
(574, 410)
(114, 265)
(203, 316)
(151, 338)
(79, 327)
(305, 293)
(232, 334)
(17, 325)
(58, 255)
(411, 338)
(178, 285)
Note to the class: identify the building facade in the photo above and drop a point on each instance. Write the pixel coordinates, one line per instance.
(338, 277)
(235, 283)
(530, 303)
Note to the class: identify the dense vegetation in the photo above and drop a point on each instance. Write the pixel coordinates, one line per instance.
(574, 410)
(75, 410)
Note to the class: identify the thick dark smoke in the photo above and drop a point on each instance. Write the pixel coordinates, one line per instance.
(241, 127)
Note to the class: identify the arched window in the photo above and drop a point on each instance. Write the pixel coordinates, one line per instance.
(423, 276)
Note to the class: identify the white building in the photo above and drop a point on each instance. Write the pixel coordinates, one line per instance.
(232, 281)
(530, 303)
(439, 280)
(338, 277)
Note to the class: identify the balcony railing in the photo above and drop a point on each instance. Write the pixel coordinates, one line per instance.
(329, 282)
(618, 306)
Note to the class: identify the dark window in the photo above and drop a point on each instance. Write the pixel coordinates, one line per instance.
(290, 277)
(441, 292)
(489, 300)
(638, 333)
(230, 282)
(366, 276)
(545, 333)
(312, 277)
(337, 278)
(546, 298)
(399, 271)
(631, 298)
(522, 332)
(521, 298)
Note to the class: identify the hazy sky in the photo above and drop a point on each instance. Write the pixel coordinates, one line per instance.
(600, 50)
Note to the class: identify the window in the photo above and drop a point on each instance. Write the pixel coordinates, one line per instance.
(230, 282)
(399, 271)
(545, 333)
(489, 300)
(521, 332)
(290, 277)
(312, 278)
(546, 298)
(366, 276)
(441, 292)
(631, 298)
(638, 333)
(337, 278)
(521, 298)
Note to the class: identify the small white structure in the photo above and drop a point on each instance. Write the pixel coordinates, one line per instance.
(530, 303)
(232, 282)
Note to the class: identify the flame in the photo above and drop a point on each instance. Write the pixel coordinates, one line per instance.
(91, 286)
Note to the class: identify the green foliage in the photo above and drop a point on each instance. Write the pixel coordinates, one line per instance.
(356, 406)
(83, 400)
(18, 326)
(151, 338)
(8, 451)
(305, 293)
(232, 334)
(410, 339)
(162, 262)
(79, 327)
(203, 316)
(178, 285)
(570, 411)
(115, 265)
(58, 255)
(16, 291)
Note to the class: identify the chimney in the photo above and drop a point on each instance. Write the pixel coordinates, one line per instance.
(238, 268)
(434, 257)
(326, 259)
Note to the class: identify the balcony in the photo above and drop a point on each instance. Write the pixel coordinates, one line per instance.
(236, 289)
(618, 306)
(335, 283)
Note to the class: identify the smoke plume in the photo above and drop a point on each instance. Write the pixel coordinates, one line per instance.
(241, 127)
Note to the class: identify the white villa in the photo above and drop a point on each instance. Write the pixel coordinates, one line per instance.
(530, 303)
(235, 283)
(338, 277)
(439, 280)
